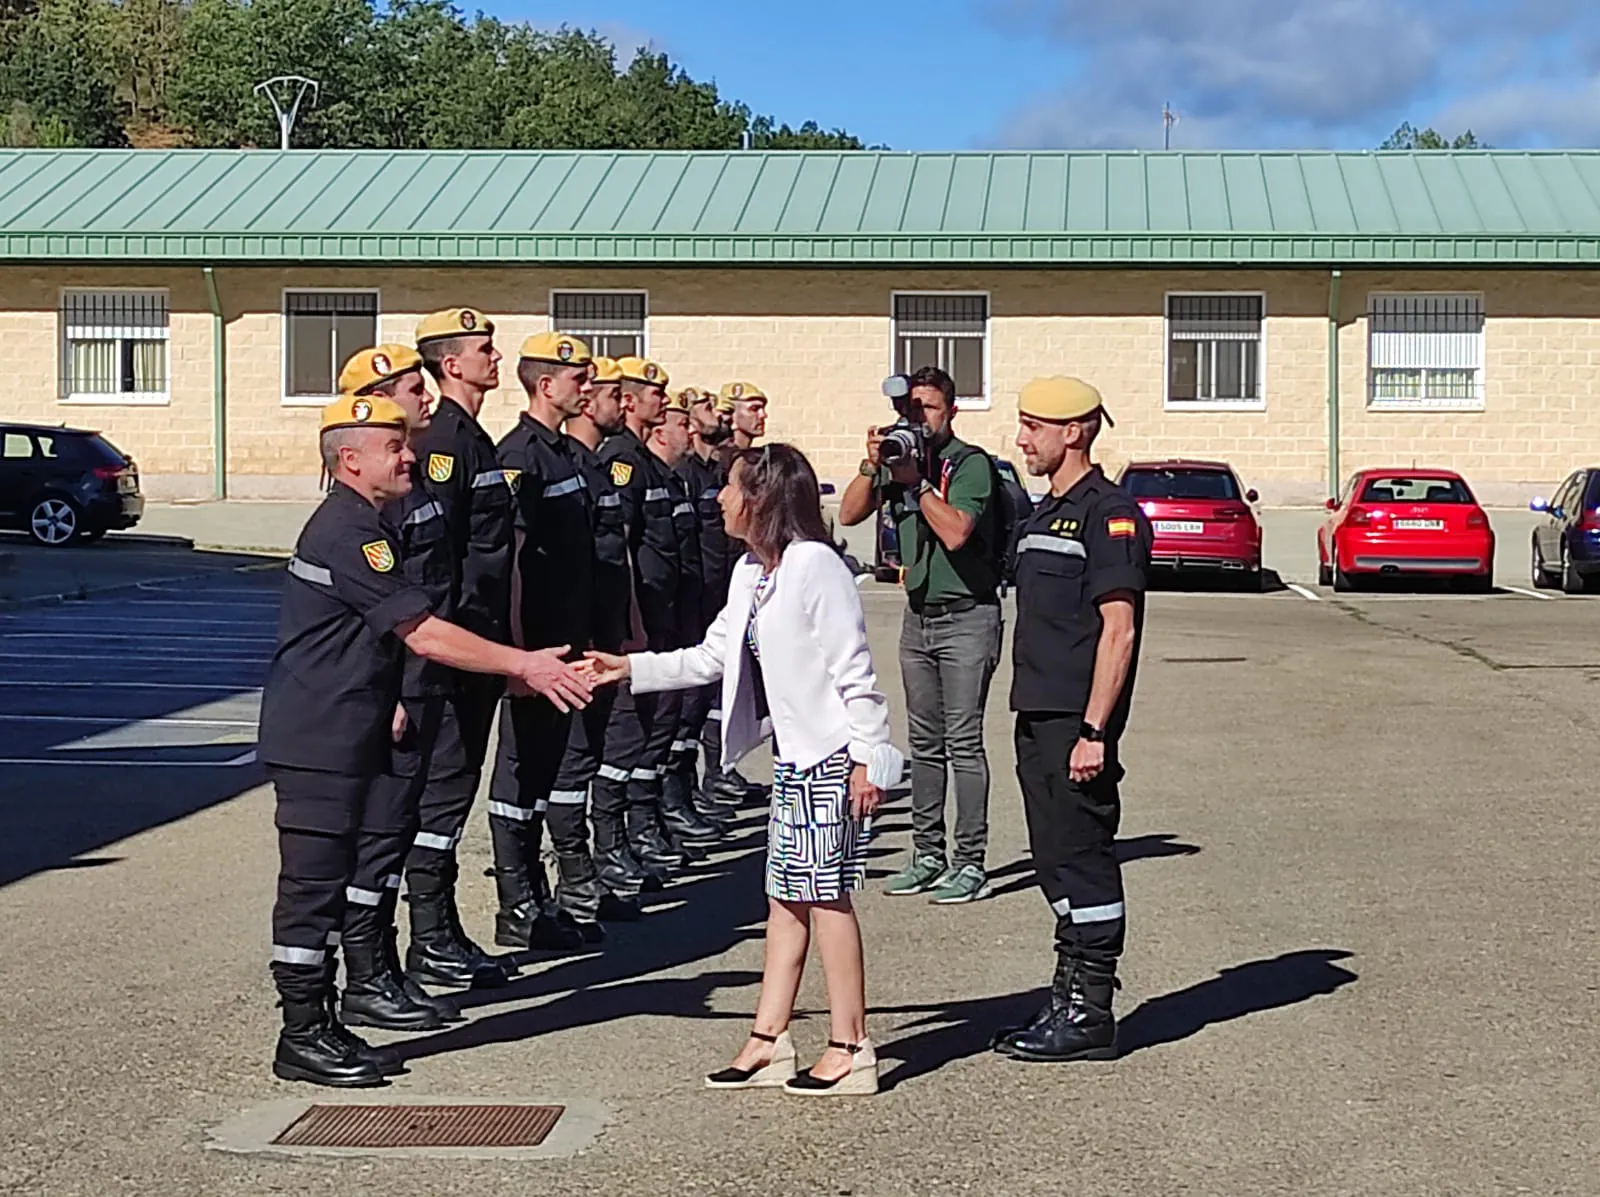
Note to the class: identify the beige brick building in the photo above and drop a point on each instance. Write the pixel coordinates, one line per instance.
(1292, 352)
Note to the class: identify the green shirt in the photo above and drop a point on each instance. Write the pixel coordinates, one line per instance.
(933, 574)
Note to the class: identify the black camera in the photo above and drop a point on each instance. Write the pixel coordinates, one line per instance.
(907, 436)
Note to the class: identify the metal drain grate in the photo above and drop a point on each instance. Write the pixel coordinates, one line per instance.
(421, 1126)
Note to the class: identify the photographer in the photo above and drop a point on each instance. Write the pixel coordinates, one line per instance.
(945, 506)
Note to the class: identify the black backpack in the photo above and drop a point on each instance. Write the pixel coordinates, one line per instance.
(1013, 507)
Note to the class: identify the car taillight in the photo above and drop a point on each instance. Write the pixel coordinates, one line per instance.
(1358, 517)
(1589, 521)
(107, 473)
(1229, 515)
(1477, 519)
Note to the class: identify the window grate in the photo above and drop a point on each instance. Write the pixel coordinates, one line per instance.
(941, 315)
(947, 331)
(330, 303)
(610, 322)
(114, 343)
(1425, 352)
(1214, 350)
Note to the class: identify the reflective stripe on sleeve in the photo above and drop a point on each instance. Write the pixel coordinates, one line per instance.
(610, 500)
(656, 494)
(505, 810)
(392, 881)
(540, 805)
(568, 797)
(1052, 544)
(428, 511)
(683, 509)
(307, 572)
(285, 955)
(362, 897)
(644, 775)
(490, 478)
(683, 745)
(715, 713)
(556, 489)
(711, 492)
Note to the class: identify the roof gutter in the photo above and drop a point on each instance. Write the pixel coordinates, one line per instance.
(219, 390)
(1333, 384)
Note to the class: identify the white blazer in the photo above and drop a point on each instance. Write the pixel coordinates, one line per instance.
(821, 688)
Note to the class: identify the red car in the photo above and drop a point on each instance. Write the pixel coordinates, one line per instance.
(1200, 515)
(1392, 522)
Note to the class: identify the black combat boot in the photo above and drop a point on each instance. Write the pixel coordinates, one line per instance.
(718, 814)
(650, 848)
(521, 922)
(433, 957)
(464, 944)
(385, 1059)
(1000, 1041)
(447, 1010)
(684, 826)
(620, 871)
(374, 998)
(578, 892)
(1080, 1026)
(309, 1049)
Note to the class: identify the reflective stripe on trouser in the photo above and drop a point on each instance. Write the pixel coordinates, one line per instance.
(659, 714)
(388, 826)
(694, 705)
(533, 737)
(1072, 830)
(711, 739)
(319, 818)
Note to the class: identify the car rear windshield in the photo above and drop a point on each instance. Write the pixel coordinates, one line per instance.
(78, 449)
(1181, 484)
(1400, 489)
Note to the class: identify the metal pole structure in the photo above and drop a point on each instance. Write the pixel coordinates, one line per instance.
(284, 108)
(1168, 119)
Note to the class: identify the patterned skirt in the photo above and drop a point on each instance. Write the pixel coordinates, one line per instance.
(816, 851)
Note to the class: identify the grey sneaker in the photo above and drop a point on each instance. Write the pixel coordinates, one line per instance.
(966, 884)
(918, 877)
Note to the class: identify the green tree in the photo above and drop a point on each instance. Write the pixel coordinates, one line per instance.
(1408, 137)
(58, 79)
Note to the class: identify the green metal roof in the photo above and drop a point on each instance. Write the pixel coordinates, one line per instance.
(703, 208)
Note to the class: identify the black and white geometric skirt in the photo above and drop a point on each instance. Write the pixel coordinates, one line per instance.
(816, 851)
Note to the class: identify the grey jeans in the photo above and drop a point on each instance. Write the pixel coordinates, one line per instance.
(946, 663)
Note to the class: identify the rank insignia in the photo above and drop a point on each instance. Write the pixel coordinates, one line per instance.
(650, 371)
(380, 363)
(736, 391)
(379, 555)
(361, 410)
(621, 473)
(468, 320)
(564, 351)
(513, 479)
(1121, 527)
(440, 467)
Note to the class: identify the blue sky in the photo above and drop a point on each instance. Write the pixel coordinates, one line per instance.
(957, 74)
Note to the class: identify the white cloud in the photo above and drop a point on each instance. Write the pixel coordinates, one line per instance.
(1305, 73)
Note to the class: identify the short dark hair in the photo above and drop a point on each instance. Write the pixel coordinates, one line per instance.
(782, 500)
(932, 376)
(433, 354)
(530, 370)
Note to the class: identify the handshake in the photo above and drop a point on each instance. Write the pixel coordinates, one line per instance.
(568, 685)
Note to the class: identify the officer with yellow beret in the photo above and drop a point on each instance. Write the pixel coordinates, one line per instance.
(746, 405)
(377, 993)
(349, 613)
(457, 456)
(637, 741)
(552, 606)
(1082, 559)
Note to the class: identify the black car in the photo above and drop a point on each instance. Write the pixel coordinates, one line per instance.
(63, 485)
(1566, 543)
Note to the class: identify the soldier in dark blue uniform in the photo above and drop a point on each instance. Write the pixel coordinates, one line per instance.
(328, 715)
(552, 606)
(637, 741)
(603, 884)
(459, 461)
(1082, 558)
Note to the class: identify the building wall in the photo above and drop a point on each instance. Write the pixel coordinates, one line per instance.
(819, 342)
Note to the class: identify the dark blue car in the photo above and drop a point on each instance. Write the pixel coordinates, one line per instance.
(1566, 543)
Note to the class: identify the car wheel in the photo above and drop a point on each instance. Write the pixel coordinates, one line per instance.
(1482, 583)
(1324, 574)
(1571, 580)
(1540, 575)
(55, 521)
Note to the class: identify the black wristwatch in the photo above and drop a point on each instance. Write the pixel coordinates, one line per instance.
(1088, 731)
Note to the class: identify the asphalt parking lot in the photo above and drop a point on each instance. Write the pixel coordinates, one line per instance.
(1359, 855)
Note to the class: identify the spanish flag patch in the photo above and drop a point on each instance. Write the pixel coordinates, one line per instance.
(1121, 526)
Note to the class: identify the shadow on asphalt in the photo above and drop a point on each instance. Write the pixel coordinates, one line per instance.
(959, 1030)
(1138, 847)
(1215, 582)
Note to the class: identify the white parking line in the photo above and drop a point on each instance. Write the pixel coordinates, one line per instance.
(244, 758)
(133, 721)
(1304, 592)
(1549, 598)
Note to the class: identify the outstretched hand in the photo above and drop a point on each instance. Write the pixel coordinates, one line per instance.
(544, 672)
(604, 669)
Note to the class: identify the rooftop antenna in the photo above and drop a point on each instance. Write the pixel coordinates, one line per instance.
(1168, 119)
(744, 140)
(278, 91)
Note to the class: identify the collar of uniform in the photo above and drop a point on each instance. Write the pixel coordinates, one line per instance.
(343, 494)
(550, 436)
(1090, 481)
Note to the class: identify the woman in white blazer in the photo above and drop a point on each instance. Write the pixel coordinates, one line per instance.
(791, 650)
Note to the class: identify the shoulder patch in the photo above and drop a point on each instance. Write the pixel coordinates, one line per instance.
(379, 555)
(440, 467)
(1121, 525)
(621, 473)
(513, 479)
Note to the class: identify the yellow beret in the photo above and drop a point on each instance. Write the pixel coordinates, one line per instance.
(638, 369)
(558, 347)
(454, 322)
(1061, 399)
(734, 392)
(363, 411)
(607, 370)
(369, 367)
(681, 401)
(693, 395)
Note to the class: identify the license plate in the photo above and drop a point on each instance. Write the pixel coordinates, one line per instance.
(1180, 527)
(1419, 525)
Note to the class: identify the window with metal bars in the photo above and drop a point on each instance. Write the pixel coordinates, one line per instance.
(321, 331)
(611, 323)
(1214, 350)
(948, 331)
(1425, 352)
(114, 346)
